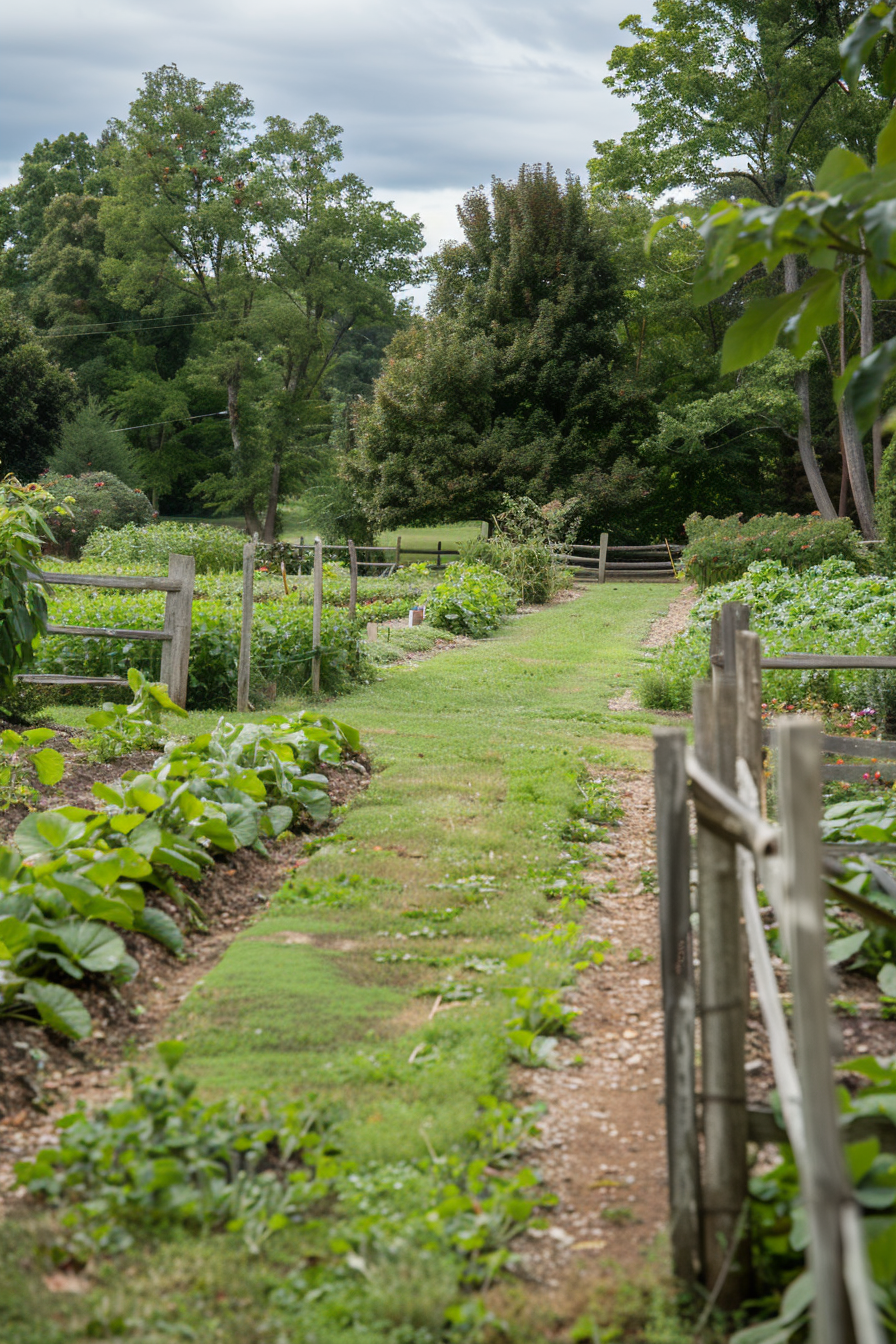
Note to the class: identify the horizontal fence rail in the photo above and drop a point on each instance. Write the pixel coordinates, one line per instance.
(174, 636)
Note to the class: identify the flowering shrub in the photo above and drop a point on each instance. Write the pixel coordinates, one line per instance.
(720, 549)
(830, 608)
(94, 500)
(472, 600)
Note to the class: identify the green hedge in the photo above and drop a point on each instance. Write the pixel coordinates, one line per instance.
(216, 548)
(721, 549)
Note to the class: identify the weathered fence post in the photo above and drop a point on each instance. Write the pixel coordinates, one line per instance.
(397, 551)
(245, 664)
(673, 852)
(749, 707)
(733, 616)
(352, 580)
(722, 1007)
(438, 555)
(175, 670)
(315, 620)
(483, 531)
(602, 558)
(826, 1188)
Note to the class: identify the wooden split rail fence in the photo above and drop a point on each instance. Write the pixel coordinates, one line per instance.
(621, 564)
(174, 636)
(737, 848)
(387, 566)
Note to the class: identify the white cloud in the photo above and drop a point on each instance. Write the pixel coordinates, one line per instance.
(434, 95)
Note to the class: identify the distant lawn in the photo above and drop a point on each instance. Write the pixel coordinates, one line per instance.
(450, 535)
(296, 525)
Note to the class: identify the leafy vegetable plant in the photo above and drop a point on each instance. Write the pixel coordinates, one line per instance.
(120, 729)
(75, 871)
(161, 1158)
(23, 759)
(472, 600)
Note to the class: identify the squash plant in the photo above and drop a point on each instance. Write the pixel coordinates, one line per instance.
(24, 759)
(76, 871)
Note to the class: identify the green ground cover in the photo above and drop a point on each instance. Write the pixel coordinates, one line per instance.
(437, 877)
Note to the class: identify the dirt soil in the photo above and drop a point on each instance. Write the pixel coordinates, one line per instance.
(602, 1145)
(43, 1075)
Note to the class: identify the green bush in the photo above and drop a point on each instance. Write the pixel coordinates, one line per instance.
(215, 548)
(94, 500)
(721, 549)
(281, 643)
(530, 567)
(472, 600)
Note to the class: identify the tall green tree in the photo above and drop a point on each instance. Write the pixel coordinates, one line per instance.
(68, 165)
(36, 396)
(512, 385)
(271, 254)
(745, 94)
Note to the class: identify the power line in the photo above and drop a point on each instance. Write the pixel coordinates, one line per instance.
(152, 323)
(150, 424)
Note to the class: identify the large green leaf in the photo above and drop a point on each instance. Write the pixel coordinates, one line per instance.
(860, 41)
(16, 934)
(839, 166)
(863, 383)
(42, 832)
(49, 764)
(280, 819)
(886, 142)
(156, 924)
(178, 862)
(59, 1008)
(93, 946)
(752, 336)
(34, 736)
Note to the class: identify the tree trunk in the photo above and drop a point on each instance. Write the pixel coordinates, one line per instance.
(867, 337)
(270, 520)
(804, 433)
(844, 479)
(253, 525)
(858, 471)
(853, 451)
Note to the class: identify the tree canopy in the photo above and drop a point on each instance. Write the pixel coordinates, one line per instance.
(510, 385)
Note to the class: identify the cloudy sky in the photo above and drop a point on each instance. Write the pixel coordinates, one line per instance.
(435, 96)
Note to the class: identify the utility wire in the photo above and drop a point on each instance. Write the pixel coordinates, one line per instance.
(152, 323)
(150, 424)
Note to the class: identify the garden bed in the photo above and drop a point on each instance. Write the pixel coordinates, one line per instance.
(41, 1073)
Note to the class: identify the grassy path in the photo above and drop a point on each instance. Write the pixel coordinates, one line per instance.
(436, 875)
(477, 753)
